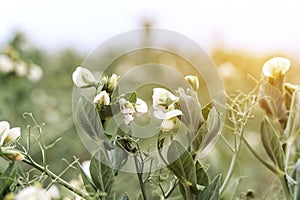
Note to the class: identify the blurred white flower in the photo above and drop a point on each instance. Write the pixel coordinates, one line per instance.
(7, 134)
(113, 80)
(35, 73)
(227, 70)
(86, 167)
(53, 192)
(21, 68)
(33, 193)
(83, 78)
(276, 67)
(128, 109)
(6, 64)
(102, 98)
(193, 81)
(169, 121)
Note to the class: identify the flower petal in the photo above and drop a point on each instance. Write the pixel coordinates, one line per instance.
(82, 77)
(276, 66)
(128, 118)
(167, 125)
(141, 106)
(173, 113)
(102, 98)
(12, 135)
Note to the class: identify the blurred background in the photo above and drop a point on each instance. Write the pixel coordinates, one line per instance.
(46, 41)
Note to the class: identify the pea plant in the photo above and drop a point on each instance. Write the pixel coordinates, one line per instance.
(169, 164)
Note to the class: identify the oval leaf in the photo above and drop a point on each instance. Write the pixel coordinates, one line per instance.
(181, 164)
(272, 144)
(103, 175)
(292, 129)
(87, 119)
(6, 179)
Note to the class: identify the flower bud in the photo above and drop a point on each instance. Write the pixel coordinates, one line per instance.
(170, 118)
(12, 154)
(102, 98)
(193, 81)
(83, 78)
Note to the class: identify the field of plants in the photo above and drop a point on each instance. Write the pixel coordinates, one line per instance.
(71, 132)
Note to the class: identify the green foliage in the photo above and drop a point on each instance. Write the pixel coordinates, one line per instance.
(182, 166)
(292, 129)
(88, 184)
(191, 109)
(88, 120)
(272, 144)
(208, 129)
(103, 176)
(6, 179)
(211, 192)
(294, 184)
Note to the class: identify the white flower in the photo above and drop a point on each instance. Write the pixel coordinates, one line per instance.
(33, 193)
(21, 68)
(162, 98)
(193, 81)
(35, 73)
(102, 98)
(128, 109)
(276, 66)
(128, 118)
(53, 192)
(169, 121)
(82, 78)
(113, 81)
(7, 134)
(140, 107)
(6, 64)
(86, 167)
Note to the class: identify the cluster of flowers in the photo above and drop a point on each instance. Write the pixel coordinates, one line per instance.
(10, 62)
(8, 136)
(165, 103)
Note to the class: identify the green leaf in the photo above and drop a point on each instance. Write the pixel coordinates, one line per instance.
(272, 144)
(6, 179)
(292, 129)
(181, 164)
(118, 159)
(89, 186)
(271, 100)
(88, 120)
(131, 97)
(294, 184)
(191, 109)
(103, 175)
(202, 178)
(207, 132)
(125, 197)
(211, 192)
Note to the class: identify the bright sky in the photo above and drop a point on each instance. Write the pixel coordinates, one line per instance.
(254, 25)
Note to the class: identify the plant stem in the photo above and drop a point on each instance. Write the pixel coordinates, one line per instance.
(140, 177)
(230, 171)
(285, 187)
(57, 178)
(280, 174)
(267, 165)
